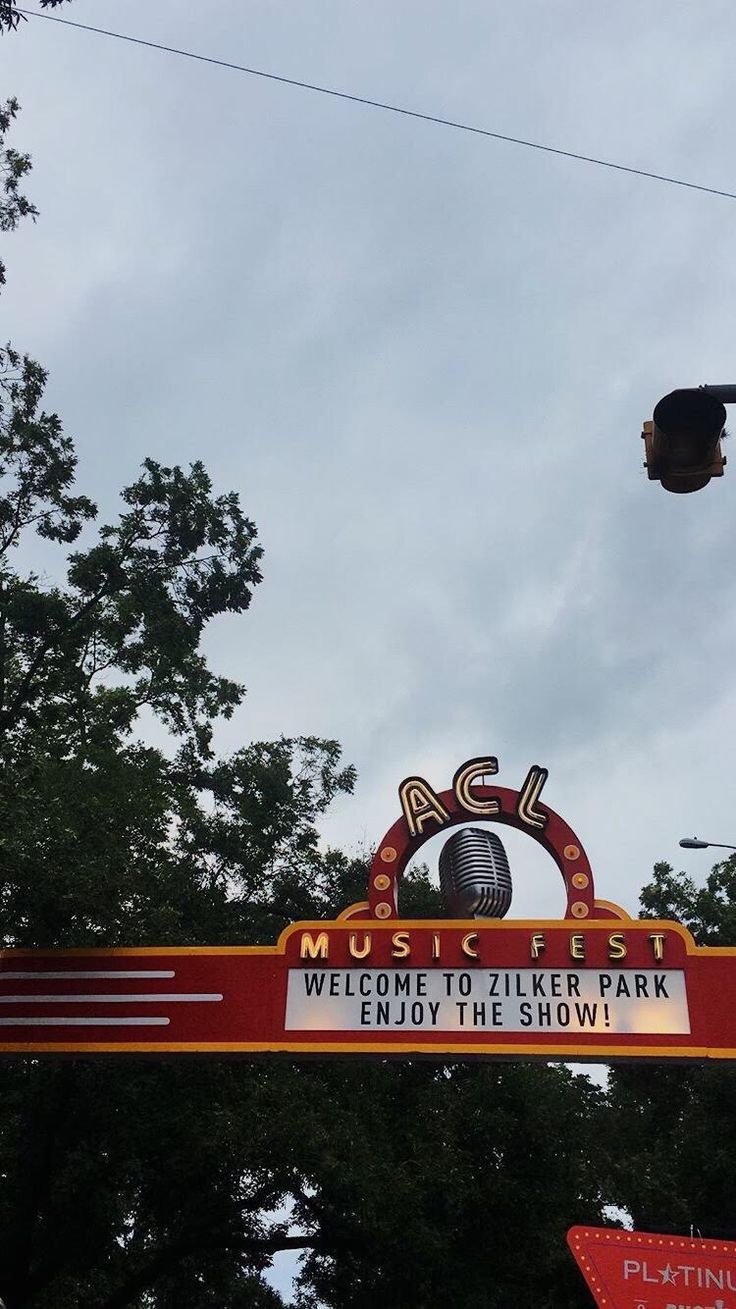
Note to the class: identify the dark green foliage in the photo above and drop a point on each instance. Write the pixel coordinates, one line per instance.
(447, 1185)
(14, 205)
(10, 15)
(113, 1180)
(134, 1177)
(136, 601)
(678, 1123)
(709, 912)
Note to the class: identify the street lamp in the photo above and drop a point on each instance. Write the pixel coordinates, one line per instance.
(682, 440)
(693, 843)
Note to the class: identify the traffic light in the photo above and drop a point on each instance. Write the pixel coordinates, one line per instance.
(682, 442)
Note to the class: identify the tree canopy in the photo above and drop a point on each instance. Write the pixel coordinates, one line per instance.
(677, 1123)
(166, 1183)
(107, 839)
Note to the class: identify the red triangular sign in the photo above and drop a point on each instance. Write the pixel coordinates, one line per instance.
(643, 1270)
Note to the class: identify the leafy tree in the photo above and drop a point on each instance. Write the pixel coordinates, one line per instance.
(448, 1185)
(677, 1123)
(14, 205)
(106, 839)
(10, 14)
(157, 1185)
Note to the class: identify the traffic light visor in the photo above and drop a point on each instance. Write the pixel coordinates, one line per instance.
(691, 415)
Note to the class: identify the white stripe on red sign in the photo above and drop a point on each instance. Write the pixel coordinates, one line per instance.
(93, 998)
(84, 1022)
(76, 973)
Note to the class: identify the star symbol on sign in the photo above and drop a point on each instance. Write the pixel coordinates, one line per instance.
(669, 1274)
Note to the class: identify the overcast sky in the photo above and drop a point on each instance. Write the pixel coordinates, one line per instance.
(422, 358)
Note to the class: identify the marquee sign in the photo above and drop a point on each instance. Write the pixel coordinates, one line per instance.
(643, 1270)
(596, 984)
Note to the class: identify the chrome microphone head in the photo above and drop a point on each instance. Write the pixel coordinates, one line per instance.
(475, 877)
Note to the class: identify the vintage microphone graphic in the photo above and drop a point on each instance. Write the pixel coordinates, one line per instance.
(475, 877)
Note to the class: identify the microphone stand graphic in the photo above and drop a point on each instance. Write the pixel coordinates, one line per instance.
(475, 877)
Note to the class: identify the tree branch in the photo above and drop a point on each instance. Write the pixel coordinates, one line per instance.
(24, 690)
(173, 1254)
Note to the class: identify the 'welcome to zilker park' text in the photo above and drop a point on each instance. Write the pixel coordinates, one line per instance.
(510, 1000)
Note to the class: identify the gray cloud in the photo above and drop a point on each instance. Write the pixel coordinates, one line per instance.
(423, 358)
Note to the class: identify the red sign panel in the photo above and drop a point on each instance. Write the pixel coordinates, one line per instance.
(605, 990)
(640, 1270)
(596, 985)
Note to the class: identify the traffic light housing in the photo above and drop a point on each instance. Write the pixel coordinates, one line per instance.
(682, 442)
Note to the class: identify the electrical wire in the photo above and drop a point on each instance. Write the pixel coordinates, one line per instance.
(380, 104)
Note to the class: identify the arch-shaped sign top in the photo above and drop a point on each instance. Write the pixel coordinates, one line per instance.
(426, 812)
(370, 982)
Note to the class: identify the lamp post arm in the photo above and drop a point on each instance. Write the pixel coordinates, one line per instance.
(694, 843)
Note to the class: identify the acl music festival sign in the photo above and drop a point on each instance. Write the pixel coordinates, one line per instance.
(596, 984)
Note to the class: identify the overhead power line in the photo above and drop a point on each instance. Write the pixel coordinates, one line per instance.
(380, 104)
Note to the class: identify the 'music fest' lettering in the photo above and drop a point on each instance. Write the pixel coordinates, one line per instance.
(472, 945)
